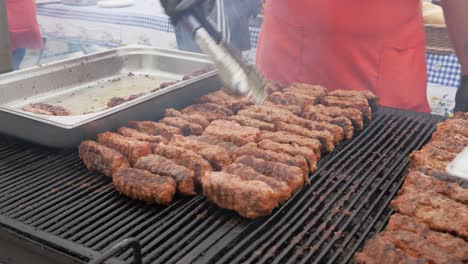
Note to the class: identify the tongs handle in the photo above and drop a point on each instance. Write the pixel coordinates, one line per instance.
(234, 73)
(202, 21)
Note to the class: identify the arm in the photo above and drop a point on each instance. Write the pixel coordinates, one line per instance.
(456, 17)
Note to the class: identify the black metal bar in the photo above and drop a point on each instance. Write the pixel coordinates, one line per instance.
(122, 245)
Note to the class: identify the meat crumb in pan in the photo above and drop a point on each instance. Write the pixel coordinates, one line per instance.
(47, 109)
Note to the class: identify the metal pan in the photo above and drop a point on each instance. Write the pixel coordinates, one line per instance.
(86, 83)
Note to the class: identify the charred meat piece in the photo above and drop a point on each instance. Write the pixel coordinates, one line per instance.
(165, 85)
(209, 110)
(307, 89)
(193, 118)
(186, 158)
(145, 186)
(29, 108)
(442, 175)
(420, 181)
(292, 150)
(417, 246)
(247, 173)
(155, 129)
(423, 158)
(453, 245)
(216, 155)
(434, 209)
(262, 116)
(370, 96)
(131, 148)
(455, 126)
(250, 199)
(291, 175)
(332, 111)
(295, 109)
(450, 145)
(132, 133)
(99, 158)
(247, 121)
(461, 115)
(272, 86)
(342, 122)
(325, 137)
(442, 135)
(379, 250)
(358, 103)
(251, 149)
(159, 165)
(222, 98)
(195, 74)
(437, 153)
(47, 109)
(300, 101)
(115, 101)
(267, 113)
(212, 140)
(232, 132)
(185, 126)
(292, 139)
(336, 131)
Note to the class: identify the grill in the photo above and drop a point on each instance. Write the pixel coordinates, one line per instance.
(49, 197)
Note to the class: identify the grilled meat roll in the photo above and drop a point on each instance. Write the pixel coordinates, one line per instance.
(155, 129)
(133, 133)
(291, 175)
(131, 148)
(186, 158)
(250, 199)
(325, 137)
(145, 186)
(159, 165)
(100, 158)
(193, 118)
(216, 155)
(232, 132)
(251, 149)
(308, 154)
(185, 126)
(281, 188)
(224, 99)
(209, 110)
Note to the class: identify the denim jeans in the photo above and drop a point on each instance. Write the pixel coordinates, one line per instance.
(18, 56)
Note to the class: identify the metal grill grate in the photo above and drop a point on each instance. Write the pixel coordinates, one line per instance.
(51, 197)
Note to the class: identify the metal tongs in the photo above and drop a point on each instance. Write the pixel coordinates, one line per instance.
(233, 71)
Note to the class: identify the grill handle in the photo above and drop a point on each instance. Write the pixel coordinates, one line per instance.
(118, 247)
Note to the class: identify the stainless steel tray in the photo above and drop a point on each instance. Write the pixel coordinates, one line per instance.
(87, 82)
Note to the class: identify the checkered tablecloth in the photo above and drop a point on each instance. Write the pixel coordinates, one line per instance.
(144, 15)
(443, 70)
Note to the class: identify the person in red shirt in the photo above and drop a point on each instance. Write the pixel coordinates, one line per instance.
(23, 28)
(376, 45)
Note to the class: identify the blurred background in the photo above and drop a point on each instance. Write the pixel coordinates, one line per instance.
(71, 28)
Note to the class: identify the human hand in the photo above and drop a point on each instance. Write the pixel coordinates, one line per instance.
(176, 8)
(461, 99)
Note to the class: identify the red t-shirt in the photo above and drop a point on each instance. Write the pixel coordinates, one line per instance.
(361, 44)
(22, 24)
